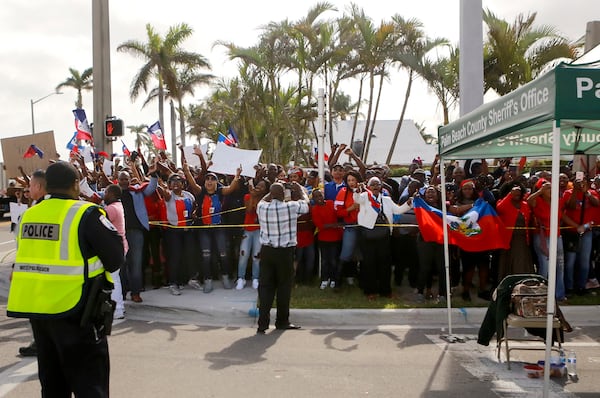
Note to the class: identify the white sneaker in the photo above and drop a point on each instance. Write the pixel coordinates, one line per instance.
(254, 284)
(119, 315)
(592, 284)
(174, 290)
(240, 283)
(332, 284)
(324, 285)
(193, 283)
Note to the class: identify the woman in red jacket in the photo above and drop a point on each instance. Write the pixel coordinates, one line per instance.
(347, 210)
(515, 213)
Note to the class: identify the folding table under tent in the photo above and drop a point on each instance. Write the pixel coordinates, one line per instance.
(555, 114)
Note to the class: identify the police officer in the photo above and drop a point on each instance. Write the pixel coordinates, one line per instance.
(64, 246)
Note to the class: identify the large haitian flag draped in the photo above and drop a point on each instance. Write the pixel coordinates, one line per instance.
(480, 229)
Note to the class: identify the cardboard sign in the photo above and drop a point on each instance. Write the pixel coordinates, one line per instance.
(13, 149)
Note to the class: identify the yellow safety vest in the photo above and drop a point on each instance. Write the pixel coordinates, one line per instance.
(50, 271)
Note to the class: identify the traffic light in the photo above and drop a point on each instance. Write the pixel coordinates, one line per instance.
(113, 128)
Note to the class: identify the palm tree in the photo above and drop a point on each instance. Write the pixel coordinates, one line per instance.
(142, 138)
(78, 81)
(161, 56)
(441, 76)
(373, 49)
(412, 45)
(187, 78)
(515, 54)
(342, 107)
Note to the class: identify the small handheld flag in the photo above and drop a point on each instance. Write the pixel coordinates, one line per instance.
(226, 140)
(157, 136)
(232, 137)
(72, 142)
(84, 132)
(32, 151)
(126, 150)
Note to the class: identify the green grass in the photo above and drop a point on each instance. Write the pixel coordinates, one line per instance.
(349, 297)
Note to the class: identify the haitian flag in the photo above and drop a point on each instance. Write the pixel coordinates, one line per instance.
(325, 155)
(480, 229)
(232, 136)
(32, 151)
(72, 142)
(227, 140)
(126, 150)
(157, 136)
(84, 132)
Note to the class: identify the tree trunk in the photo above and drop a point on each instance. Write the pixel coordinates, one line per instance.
(181, 122)
(399, 125)
(173, 133)
(356, 116)
(368, 122)
(368, 146)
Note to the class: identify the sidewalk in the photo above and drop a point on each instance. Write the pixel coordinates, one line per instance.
(237, 308)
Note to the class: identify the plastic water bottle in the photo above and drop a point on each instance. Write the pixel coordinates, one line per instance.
(572, 364)
(563, 357)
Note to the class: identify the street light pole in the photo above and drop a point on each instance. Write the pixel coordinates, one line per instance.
(33, 102)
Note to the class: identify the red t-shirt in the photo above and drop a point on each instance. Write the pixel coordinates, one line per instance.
(542, 213)
(323, 215)
(155, 206)
(590, 213)
(250, 217)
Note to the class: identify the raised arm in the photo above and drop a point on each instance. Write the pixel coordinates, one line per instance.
(234, 184)
(203, 164)
(192, 184)
(362, 168)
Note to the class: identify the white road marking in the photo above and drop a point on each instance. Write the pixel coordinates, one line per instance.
(24, 370)
(482, 363)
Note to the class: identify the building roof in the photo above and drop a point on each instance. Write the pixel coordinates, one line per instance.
(410, 143)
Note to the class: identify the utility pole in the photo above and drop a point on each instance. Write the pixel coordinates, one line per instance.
(101, 68)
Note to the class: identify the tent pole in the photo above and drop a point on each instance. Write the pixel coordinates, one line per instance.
(450, 338)
(552, 263)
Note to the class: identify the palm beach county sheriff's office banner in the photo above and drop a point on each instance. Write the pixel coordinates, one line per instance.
(14, 148)
(521, 122)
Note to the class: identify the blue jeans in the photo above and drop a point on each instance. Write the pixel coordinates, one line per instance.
(543, 265)
(249, 246)
(578, 263)
(214, 238)
(349, 242)
(133, 260)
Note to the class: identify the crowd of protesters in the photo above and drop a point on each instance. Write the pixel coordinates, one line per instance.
(187, 227)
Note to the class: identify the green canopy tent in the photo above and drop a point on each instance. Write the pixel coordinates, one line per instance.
(555, 114)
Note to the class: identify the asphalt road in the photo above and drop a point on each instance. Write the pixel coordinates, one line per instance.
(163, 359)
(151, 359)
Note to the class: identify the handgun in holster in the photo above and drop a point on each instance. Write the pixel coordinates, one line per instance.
(99, 308)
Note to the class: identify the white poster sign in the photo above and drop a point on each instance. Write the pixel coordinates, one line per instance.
(193, 159)
(16, 211)
(107, 168)
(227, 159)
